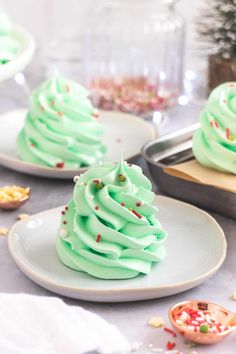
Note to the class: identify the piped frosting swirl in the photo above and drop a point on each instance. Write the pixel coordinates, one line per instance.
(214, 144)
(109, 229)
(61, 128)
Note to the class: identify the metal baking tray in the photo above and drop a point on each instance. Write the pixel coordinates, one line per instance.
(176, 148)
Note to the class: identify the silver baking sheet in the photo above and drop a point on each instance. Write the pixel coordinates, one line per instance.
(176, 148)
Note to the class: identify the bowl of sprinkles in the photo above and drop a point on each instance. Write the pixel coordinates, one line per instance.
(202, 322)
(12, 197)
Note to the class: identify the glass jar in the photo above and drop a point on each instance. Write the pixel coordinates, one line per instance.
(133, 55)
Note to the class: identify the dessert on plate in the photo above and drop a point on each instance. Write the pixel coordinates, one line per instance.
(214, 144)
(61, 128)
(9, 47)
(109, 228)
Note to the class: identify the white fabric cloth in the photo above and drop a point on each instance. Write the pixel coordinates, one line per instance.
(46, 325)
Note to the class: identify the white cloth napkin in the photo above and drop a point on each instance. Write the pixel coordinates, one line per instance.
(46, 325)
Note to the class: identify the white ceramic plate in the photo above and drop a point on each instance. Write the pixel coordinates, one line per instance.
(125, 134)
(27, 47)
(196, 248)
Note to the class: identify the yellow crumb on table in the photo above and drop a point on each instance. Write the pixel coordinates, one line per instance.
(11, 193)
(4, 231)
(234, 296)
(156, 322)
(23, 216)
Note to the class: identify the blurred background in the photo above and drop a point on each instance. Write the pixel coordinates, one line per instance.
(174, 71)
(45, 19)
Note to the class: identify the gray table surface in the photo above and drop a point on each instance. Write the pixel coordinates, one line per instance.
(130, 318)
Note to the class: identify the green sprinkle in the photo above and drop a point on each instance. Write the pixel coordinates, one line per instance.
(203, 328)
(121, 178)
(99, 185)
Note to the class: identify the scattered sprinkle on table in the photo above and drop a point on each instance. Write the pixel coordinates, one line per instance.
(234, 297)
(23, 216)
(190, 344)
(156, 322)
(170, 331)
(4, 231)
(136, 346)
(170, 345)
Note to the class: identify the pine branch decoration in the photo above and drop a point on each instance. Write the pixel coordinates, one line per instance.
(217, 25)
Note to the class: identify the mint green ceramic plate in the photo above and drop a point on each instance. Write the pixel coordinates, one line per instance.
(196, 248)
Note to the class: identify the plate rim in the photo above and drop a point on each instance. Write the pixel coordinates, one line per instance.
(76, 290)
(66, 173)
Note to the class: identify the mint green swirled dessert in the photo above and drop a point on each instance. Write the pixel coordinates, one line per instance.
(61, 128)
(9, 47)
(214, 144)
(109, 228)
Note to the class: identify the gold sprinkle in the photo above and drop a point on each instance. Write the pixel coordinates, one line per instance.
(234, 296)
(4, 231)
(23, 216)
(190, 344)
(156, 322)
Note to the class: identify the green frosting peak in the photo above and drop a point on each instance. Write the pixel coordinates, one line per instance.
(61, 129)
(109, 228)
(214, 144)
(9, 47)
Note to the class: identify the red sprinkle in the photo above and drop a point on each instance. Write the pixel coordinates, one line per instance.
(216, 124)
(95, 114)
(60, 114)
(52, 103)
(138, 204)
(137, 214)
(60, 165)
(32, 145)
(211, 123)
(64, 222)
(96, 181)
(67, 88)
(66, 207)
(63, 213)
(170, 345)
(122, 204)
(169, 330)
(96, 207)
(98, 239)
(227, 133)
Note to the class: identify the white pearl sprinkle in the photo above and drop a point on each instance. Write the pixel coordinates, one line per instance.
(106, 196)
(76, 179)
(63, 233)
